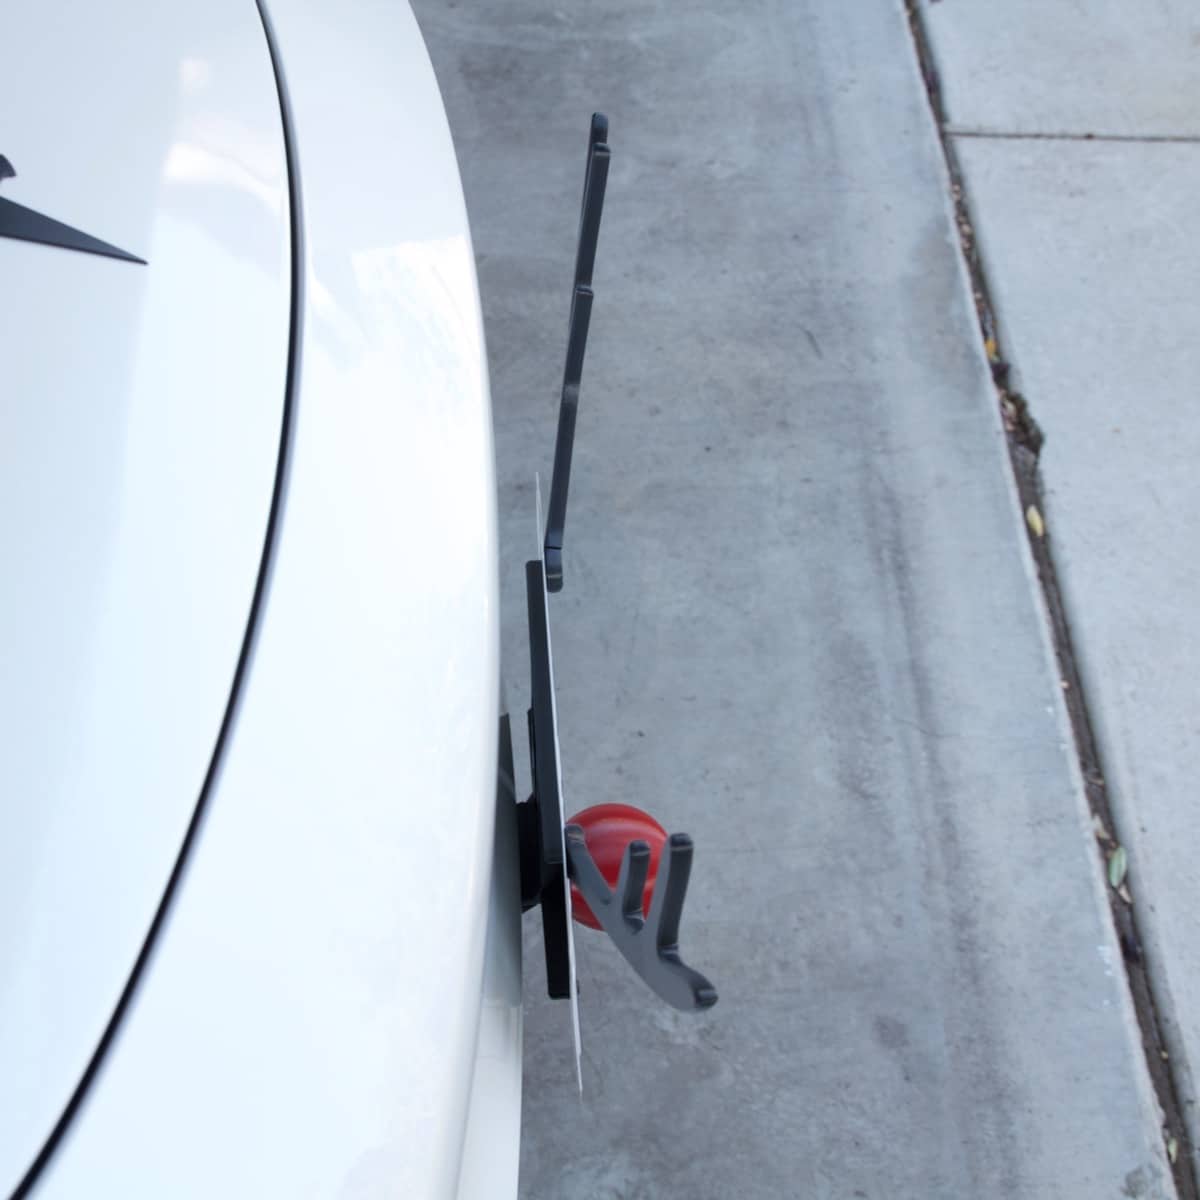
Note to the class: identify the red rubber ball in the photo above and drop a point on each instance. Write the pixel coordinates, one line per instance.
(608, 829)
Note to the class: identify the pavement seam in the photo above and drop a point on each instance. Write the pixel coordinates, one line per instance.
(1024, 444)
(1013, 135)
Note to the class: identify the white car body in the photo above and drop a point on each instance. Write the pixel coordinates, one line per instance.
(259, 925)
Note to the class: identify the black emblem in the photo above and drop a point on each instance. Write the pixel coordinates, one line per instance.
(26, 225)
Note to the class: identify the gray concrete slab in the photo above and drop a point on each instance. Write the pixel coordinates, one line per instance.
(1103, 67)
(799, 623)
(1093, 254)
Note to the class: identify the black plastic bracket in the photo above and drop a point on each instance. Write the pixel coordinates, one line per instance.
(594, 181)
(540, 818)
(548, 854)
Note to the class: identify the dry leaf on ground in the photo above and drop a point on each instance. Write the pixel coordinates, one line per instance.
(1118, 864)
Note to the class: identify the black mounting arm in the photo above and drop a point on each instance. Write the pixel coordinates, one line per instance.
(539, 820)
(551, 857)
(650, 944)
(594, 181)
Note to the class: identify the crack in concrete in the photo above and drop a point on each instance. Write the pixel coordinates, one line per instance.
(1065, 136)
(1024, 444)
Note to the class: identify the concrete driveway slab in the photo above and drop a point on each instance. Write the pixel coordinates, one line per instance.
(799, 622)
(1104, 67)
(1092, 253)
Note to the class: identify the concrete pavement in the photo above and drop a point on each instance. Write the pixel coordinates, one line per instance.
(1103, 68)
(1084, 203)
(800, 622)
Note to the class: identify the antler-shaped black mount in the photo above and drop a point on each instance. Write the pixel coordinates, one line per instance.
(650, 944)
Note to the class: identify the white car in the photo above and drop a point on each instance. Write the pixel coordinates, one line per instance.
(259, 890)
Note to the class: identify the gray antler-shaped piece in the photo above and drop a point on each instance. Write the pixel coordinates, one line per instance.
(650, 944)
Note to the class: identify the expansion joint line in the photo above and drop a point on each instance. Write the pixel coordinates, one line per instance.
(1024, 445)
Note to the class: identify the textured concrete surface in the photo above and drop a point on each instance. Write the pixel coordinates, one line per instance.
(1100, 67)
(1093, 253)
(799, 623)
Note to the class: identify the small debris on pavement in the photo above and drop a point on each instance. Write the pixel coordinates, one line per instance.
(1118, 864)
(1098, 829)
(1172, 1148)
(1035, 521)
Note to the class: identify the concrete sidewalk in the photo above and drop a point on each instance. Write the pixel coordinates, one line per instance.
(1078, 133)
(800, 622)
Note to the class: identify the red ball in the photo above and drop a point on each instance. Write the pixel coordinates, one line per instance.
(608, 829)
